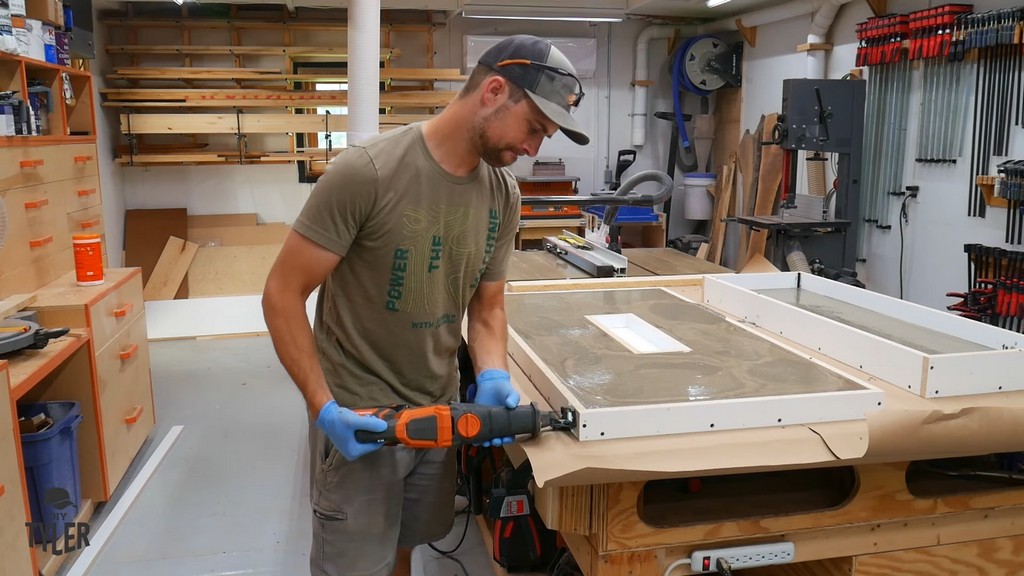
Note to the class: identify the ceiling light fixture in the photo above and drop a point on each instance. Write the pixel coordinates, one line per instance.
(713, 3)
(542, 13)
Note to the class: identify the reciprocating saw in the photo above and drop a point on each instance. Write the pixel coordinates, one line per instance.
(456, 424)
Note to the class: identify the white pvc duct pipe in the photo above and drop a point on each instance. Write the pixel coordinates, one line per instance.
(821, 22)
(640, 78)
(770, 15)
(363, 70)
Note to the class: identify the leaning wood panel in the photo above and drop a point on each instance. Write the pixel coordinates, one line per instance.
(241, 98)
(273, 123)
(340, 52)
(170, 269)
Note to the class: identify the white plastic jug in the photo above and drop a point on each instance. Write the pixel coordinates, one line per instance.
(698, 203)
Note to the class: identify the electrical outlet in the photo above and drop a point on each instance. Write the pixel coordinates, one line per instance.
(706, 561)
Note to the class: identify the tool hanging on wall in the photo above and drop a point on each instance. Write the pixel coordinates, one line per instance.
(888, 99)
(995, 293)
(1009, 185)
(701, 65)
(994, 39)
(940, 128)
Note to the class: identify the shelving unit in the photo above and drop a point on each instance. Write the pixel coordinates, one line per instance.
(49, 183)
(210, 91)
(70, 119)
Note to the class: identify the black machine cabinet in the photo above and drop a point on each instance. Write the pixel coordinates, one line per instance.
(825, 116)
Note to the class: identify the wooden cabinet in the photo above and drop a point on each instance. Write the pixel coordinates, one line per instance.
(120, 355)
(15, 555)
(49, 183)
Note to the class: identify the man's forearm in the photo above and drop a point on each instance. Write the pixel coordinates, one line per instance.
(293, 341)
(488, 341)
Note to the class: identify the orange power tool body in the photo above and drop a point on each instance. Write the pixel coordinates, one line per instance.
(456, 424)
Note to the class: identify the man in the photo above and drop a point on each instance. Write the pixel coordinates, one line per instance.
(405, 235)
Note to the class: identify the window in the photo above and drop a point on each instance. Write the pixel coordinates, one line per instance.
(320, 76)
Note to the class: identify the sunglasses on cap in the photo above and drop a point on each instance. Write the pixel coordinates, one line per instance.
(575, 95)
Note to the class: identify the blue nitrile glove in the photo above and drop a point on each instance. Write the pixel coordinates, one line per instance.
(494, 388)
(340, 425)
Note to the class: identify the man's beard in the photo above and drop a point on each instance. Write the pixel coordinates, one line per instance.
(489, 153)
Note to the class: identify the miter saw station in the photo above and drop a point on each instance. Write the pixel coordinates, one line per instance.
(601, 261)
(22, 331)
(825, 116)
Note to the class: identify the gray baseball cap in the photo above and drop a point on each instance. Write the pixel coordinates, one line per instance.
(546, 75)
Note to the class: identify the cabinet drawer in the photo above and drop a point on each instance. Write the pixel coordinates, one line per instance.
(36, 226)
(87, 221)
(15, 558)
(81, 193)
(126, 397)
(32, 165)
(115, 311)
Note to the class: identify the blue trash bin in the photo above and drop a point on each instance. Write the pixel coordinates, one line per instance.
(51, 467)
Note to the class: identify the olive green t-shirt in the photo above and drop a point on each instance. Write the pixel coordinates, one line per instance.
(415, 242)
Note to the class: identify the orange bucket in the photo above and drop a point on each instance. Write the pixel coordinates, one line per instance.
(88, 259)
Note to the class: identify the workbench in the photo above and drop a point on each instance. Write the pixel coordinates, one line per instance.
(854, 497)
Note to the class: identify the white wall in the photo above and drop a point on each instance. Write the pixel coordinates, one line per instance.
(939, 225)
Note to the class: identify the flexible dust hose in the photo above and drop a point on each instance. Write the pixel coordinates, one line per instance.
(632, 182)
(795, 258)
(815, 174)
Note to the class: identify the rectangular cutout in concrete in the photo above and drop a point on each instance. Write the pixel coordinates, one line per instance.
(636, 334)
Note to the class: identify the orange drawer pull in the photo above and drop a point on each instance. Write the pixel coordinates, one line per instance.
(41, 241)
(127, 354)
(83, 159)
(134, 416)
(86, 224)
(86, 192)
(123, 310)
(37, 203)
(2, 490)
(31, 163)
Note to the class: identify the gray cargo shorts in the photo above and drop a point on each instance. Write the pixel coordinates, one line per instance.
(395, 497)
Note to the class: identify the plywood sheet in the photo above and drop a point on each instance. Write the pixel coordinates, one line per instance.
(274, 233)
(231, 270)
(215, 220)
(726, 361)
(910, 335)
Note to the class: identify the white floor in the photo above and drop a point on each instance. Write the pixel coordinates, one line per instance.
(231, 496)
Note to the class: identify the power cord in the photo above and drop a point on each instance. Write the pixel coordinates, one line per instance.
(465, 530)
(904, 220)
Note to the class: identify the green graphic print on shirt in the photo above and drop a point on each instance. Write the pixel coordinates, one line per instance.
(431, 235)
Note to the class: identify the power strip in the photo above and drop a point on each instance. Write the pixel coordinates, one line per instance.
(706, 561)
